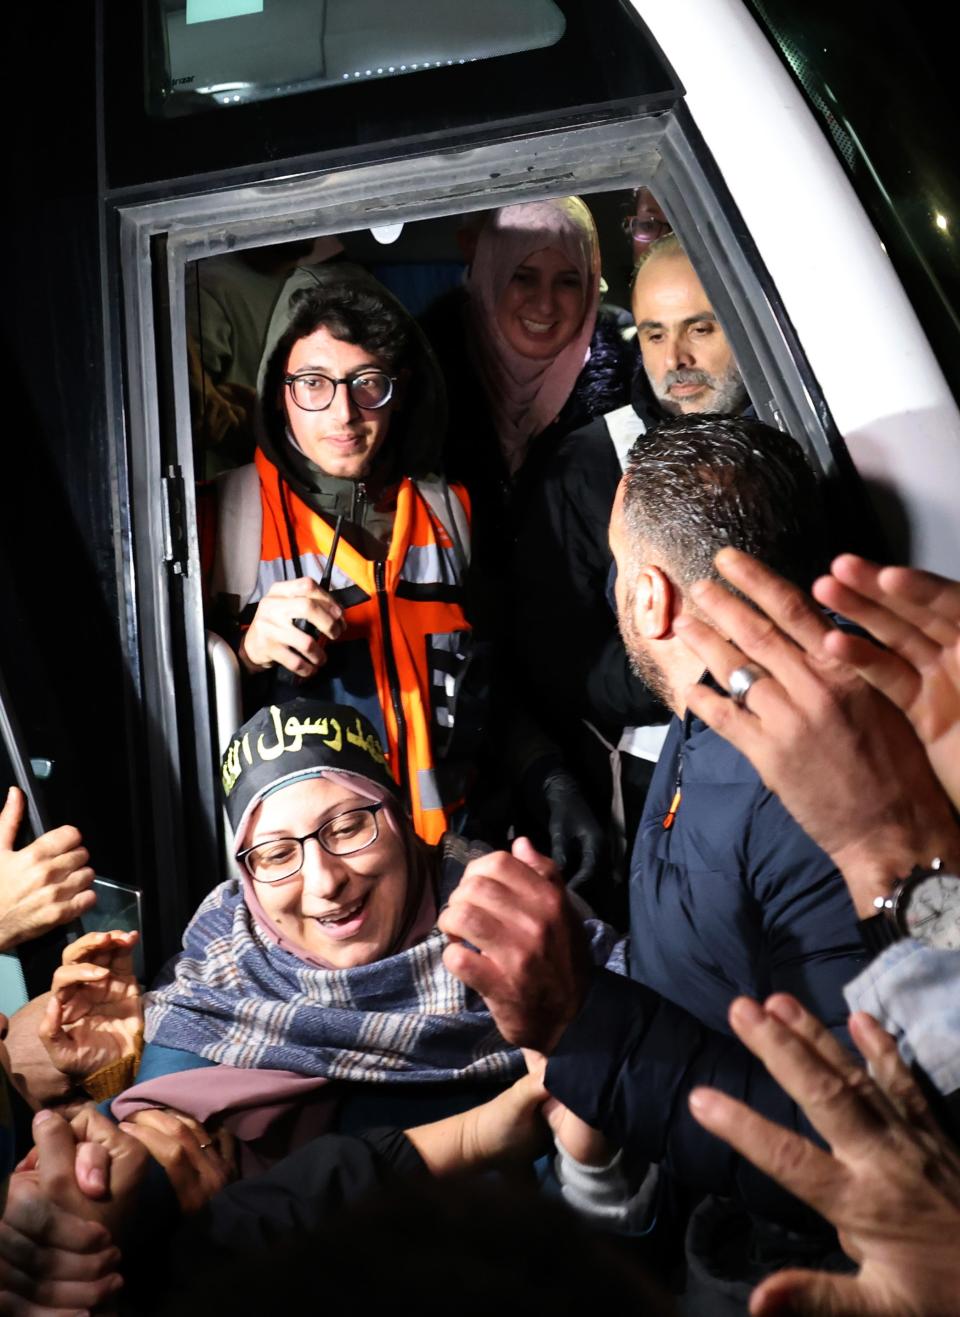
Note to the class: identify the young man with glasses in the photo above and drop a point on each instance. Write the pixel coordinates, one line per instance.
(341, 559)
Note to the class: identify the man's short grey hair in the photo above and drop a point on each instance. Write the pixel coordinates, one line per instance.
(668, 245)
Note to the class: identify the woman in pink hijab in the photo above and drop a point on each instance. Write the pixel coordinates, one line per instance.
(525, 355)
(534, 290)
(527, 359)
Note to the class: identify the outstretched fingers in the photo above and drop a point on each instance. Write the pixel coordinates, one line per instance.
(928, 602)
(908, 585)
(886, 672)
(828, 1090)
(912, 642)
(734, 724)
(785, 1007)
(787, 1157)
(721, 658)
(811, 1294)
(783, 603)
(891, 1075)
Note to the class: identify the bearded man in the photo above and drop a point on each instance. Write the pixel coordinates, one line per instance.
(727, 893)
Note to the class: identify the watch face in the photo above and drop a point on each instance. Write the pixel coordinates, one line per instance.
(932, 913)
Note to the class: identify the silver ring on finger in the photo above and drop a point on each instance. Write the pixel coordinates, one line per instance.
(205, 1146)
(741, 681)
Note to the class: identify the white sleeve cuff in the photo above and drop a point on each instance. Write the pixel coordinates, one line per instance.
(608, 1193)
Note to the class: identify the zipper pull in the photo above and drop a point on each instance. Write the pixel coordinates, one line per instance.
(672, 811)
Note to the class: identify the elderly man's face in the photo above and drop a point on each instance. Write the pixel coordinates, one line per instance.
(686, 356)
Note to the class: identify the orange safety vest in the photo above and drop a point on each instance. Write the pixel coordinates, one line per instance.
(409, 611)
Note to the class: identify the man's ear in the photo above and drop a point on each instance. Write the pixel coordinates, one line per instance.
(653, 603)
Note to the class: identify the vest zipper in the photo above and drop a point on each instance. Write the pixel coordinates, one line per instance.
(379, 576)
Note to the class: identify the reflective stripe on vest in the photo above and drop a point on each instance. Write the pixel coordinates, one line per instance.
(428, 564)
(280, 569)
(428, 637)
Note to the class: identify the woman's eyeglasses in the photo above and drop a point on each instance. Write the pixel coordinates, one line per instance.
(345, 834)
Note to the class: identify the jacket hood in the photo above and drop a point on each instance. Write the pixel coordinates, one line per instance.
(417, 427)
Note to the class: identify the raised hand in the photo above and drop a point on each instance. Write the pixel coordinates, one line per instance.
(45, 884)
(916, 615)
(95, 1013)
(890, 1183)
(272, 636)
(844, 760)
(530, 960)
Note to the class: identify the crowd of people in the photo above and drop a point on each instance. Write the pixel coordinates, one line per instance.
(593, 933)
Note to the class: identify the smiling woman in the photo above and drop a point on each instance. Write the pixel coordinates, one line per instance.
(534, 289)
(326, 873)
(319, 963)
(542, 306)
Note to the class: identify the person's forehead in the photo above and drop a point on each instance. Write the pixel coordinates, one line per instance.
(321, 349)
(549, 259)
(668, 288)
(306, 800)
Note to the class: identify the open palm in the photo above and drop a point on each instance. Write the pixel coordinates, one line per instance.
(95, 1013)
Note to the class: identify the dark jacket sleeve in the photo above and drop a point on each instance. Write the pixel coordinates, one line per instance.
(627, 1064)
(631, 1057)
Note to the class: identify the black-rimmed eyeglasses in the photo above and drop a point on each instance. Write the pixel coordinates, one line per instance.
(313, 392)
(345, 834)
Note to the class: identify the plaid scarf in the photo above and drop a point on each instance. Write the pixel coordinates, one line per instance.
(237, 999)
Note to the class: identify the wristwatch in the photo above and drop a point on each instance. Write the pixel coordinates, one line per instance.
(924, 906)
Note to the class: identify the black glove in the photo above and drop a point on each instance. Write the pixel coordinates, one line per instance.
(576, 838)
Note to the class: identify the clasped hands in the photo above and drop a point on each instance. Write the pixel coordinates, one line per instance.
(70, 1199)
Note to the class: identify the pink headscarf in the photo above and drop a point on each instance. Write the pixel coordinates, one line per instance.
(527, 395)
